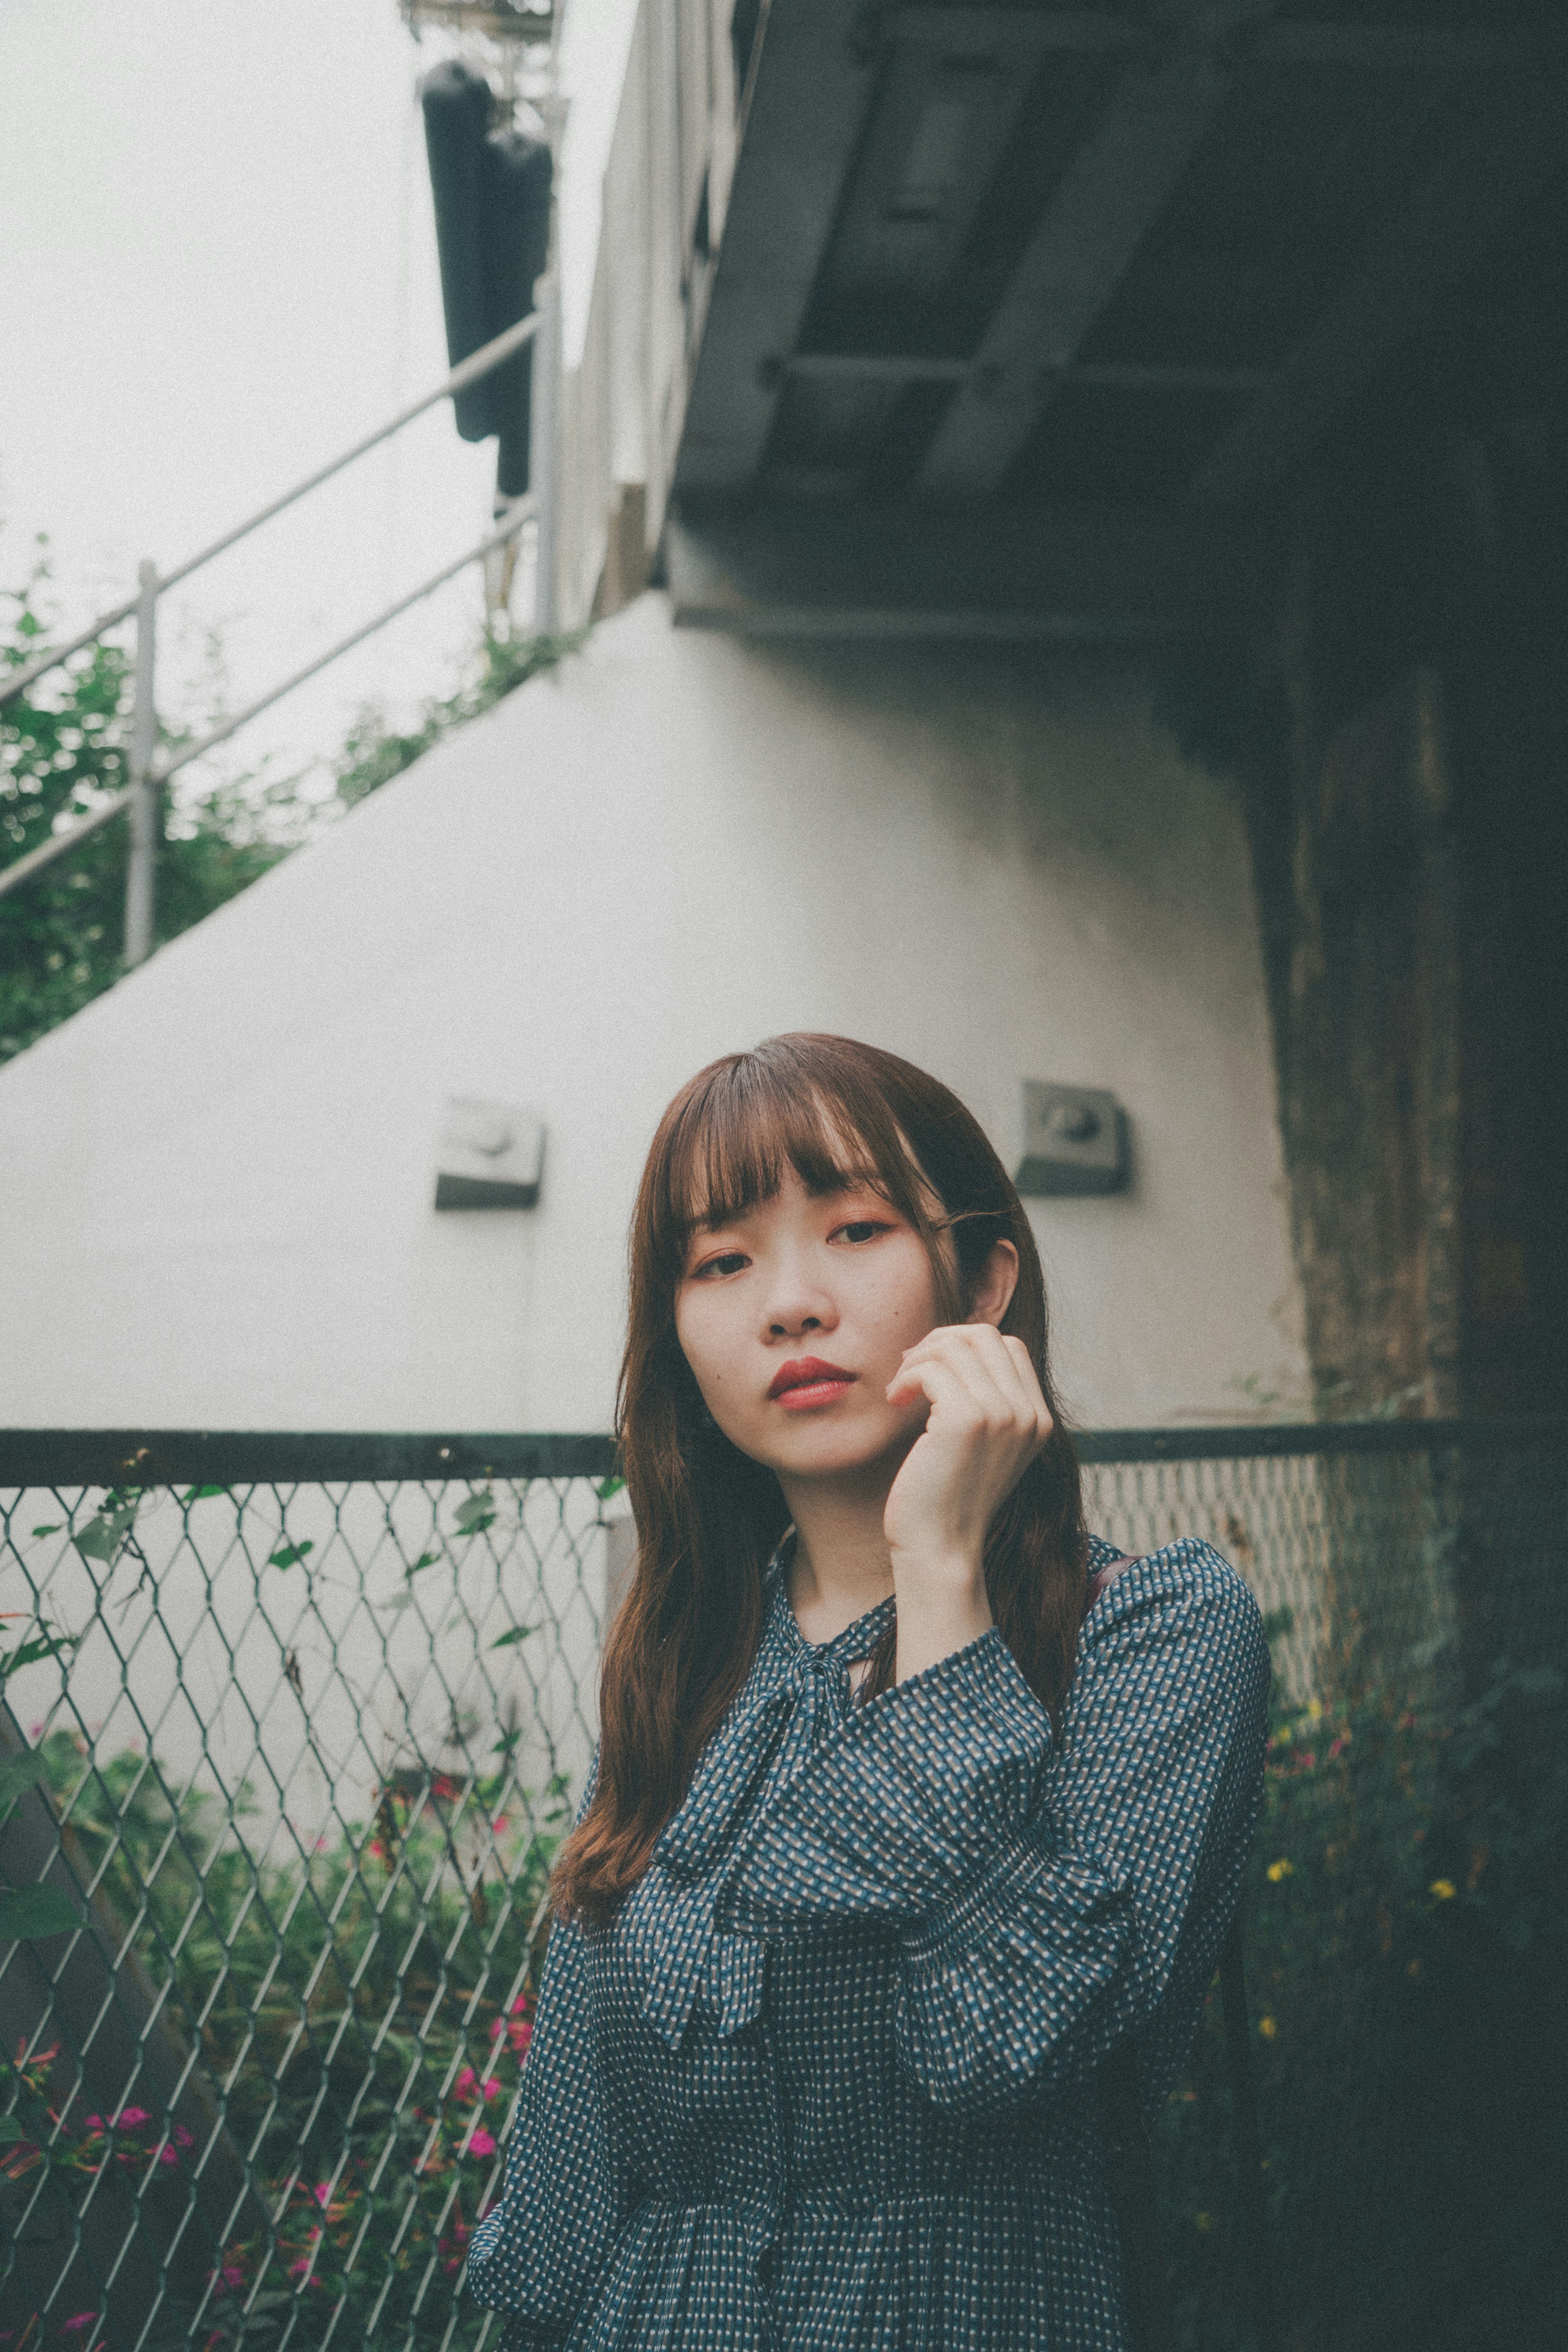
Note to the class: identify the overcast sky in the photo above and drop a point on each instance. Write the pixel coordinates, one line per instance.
(217, 267)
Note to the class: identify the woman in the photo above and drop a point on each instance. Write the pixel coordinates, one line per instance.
(888, 1845)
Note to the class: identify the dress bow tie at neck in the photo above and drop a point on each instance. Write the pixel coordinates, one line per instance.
(802, 1698)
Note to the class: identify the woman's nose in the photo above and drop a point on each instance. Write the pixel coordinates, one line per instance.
(796, 1308)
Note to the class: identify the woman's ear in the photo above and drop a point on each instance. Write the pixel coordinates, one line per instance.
(995, 1285)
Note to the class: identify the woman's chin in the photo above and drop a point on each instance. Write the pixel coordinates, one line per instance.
(823, 1445)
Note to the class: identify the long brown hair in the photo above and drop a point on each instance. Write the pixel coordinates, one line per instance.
(707, 1516)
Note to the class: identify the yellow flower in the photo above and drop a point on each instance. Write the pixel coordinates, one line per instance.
(1444, 1889)
(1205, 2220)
(1267, 2028)
(1283, 1868)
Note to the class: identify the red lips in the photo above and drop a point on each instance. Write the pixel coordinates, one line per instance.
(806, 1380)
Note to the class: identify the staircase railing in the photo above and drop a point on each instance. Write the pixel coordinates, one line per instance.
(142, 798)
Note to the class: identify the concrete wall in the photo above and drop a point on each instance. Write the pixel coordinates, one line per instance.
(623, 403)
(217, 1179)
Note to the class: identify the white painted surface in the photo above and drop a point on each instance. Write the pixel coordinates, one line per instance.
(217, 1180)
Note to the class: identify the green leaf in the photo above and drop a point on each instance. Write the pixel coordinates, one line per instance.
(103, 1534)
(50, 1528)
(10, 2131)
(608, 1486)
(290, 1555)
(200, 1493)
(47, 1645)
(426, 1560)
(36, 1911)
(517, 1633)
(476, 1515)
(17, 1774)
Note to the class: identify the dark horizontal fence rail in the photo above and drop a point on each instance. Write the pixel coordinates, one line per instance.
(149, 1458)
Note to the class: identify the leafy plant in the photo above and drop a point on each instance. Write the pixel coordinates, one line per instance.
(365, 2013)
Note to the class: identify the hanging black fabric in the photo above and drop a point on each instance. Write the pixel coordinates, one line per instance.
(515, 232)
(492, 195)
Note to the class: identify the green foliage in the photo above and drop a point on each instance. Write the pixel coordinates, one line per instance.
(1406, 1927)
(64, 749)
(365, 2014)
(31, 1911)
(373, 754)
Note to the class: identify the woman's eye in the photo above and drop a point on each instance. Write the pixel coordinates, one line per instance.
(730, 1262)
(863, 1229)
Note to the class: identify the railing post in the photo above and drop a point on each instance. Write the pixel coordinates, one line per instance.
(542, 465)
(146, 829)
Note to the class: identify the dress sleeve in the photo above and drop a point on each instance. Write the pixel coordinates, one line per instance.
(537, 2254)
(1043, 1899)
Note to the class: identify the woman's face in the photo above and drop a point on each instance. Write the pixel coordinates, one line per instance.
(794, 1319)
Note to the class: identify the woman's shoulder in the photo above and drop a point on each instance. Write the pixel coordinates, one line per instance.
(1185, 1591)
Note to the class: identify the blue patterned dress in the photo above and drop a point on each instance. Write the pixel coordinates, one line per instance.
(824, 2084)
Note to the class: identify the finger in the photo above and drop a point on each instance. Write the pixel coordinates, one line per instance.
(1020, 1356)
(1004, 1364)
(940, 1384)
(948, 1350)
(1008, 1362)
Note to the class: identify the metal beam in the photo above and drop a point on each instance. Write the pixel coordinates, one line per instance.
(1070, 575)
(1513, 138)
(1114, 189)
(808, 97)
(1404, 49)
(1429, 47)
(1035, 28)
(1100, 375)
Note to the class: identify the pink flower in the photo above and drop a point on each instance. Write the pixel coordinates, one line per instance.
(168, 2156)
(298, 2269)
(498, 2028)
(500, 1824)
(322, 2192)
(185, 2138)
(483, 2143)
(95, 2122)
(491, 2087)
(467, 2083)
(519, 2033)
(131, 2118)
(520, 2004)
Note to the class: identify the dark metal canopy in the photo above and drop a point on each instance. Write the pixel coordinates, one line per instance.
(1035, 308)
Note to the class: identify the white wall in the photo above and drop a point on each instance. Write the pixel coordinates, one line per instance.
(216, 1181)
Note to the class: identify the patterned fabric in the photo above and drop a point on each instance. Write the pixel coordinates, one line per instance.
(824, 2084)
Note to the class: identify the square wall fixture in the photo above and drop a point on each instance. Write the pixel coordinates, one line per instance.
(490, 1155)
(1074, 1142)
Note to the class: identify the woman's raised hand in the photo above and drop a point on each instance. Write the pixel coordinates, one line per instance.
(988, 1421)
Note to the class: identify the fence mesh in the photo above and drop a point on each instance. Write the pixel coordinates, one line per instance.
(283, 1763)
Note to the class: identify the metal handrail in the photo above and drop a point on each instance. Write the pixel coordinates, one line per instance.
(61, 844)
(139, 798)
(481, 364)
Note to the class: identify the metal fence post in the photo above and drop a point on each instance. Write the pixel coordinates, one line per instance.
(543, 471)
(141, 873)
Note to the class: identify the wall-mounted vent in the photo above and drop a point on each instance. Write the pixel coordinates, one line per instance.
(490, 1155)
(1074, 1142)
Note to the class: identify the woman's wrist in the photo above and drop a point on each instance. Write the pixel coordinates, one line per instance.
(942, 1606)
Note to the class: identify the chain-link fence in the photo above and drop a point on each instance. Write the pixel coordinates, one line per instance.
(292, 1727)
